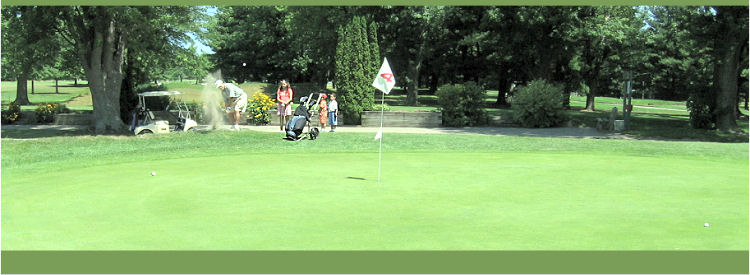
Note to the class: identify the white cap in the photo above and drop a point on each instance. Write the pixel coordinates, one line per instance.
(219, 83)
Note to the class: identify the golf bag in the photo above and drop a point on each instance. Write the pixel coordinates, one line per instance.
(295, 127)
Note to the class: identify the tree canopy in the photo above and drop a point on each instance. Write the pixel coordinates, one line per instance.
(676, 53)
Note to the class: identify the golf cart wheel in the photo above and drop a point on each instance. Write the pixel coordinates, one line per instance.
(145, 132)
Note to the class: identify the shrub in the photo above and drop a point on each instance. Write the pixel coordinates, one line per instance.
(258, 106)
(700, 104)
(45, 112)
(462, 105)
(539, 104)
(12, 114)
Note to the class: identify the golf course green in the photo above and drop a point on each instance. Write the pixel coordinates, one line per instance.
(249, 190)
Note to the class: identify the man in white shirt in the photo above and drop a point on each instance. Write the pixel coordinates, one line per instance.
(236, 101)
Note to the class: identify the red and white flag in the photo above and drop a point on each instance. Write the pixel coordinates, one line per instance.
(385, 80)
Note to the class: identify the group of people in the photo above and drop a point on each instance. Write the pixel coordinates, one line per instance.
(236, 102)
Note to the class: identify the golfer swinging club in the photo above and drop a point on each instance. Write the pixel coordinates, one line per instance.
(236, 101)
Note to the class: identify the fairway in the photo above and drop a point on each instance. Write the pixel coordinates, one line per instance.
(438, 192)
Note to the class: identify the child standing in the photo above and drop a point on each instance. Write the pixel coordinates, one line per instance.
(323, 112)
(333, 113)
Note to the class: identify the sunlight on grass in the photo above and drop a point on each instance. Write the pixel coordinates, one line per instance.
(44, 91)
(464, 192)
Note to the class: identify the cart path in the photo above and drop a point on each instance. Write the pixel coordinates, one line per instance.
(564, 132)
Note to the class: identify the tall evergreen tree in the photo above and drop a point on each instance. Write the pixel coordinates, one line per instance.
(354, 74)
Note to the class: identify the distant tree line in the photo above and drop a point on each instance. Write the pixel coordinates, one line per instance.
(673, 53)
(698, 54)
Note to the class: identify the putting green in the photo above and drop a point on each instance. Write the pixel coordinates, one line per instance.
(425, 200)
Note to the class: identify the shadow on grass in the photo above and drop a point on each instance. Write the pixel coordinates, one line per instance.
(661, 126)
(679, 129)
(43, 133)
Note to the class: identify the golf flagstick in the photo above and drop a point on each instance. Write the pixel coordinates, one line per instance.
(384, 82)
(380, 134)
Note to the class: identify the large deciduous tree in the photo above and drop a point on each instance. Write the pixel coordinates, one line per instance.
(720, 36)
(256, 37)
(29, 44)
(407, 33)
(603, 35)
(103, 35)
(730, 49)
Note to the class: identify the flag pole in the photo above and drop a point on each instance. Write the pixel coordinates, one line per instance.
(380, 151)
(385, 76)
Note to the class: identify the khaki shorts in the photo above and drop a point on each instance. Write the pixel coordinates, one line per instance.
(240, 104)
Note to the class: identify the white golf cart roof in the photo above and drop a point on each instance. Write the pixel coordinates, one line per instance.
(160, 93)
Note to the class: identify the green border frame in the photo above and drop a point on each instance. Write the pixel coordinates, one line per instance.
(385, 262)
(381, 262)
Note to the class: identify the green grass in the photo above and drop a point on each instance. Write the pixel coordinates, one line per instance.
(254, 191)
(44, 92)
(641, 106)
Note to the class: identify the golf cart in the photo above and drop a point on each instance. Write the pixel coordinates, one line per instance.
(143, 120)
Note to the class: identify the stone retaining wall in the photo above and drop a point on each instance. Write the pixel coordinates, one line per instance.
(72, 119)
(402, 119)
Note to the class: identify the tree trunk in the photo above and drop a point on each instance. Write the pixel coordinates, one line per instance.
(412, 90)
(728, 54)
(503, 87)
(591, 96)
(590, 102)
(22, 96)
(566, 99)
(412, 87)
(57, 86)
(726, 97)
(32, 86)
(102, 58)
(434, 83)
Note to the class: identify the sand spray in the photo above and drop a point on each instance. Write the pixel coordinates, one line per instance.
(213, 102)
